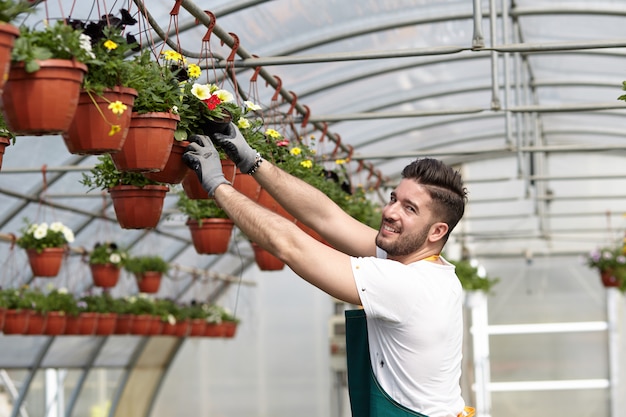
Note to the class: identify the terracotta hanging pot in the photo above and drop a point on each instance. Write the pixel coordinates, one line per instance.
(193, 187)
(42, 102)
(88, 133)
(210, 236)
(168, 329)
(138, 207)
(148, 144)
(4, 142)
(36, 323)
(16, 321)
(175, 169)
(156, 326)
(55, 323)
(265, 260)
(149, 281)
(182, 328)
(141, 324)
(124, 323)
(88, 323)
(214, 330)
(105, 275)
(46, 263)
(106, 324)
(197, 327)
(608, 278)
(8, 34)
(230, 328)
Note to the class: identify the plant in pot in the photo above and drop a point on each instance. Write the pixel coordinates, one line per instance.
(103, 116)
(45, 246)
(47, 70)
(196, 313)
(58, 307)
(209, 225)
(102, 310)
(151, 135)
(9, 11)
(137, 200)
(17, 306)
(105, 261)
(610, 261)
(144, 312)
(148, 271)
(6, 137)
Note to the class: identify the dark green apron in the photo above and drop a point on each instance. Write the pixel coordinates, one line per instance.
(367, 398)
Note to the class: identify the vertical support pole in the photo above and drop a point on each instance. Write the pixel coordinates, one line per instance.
(478, 40)
(493, 34)
(477, 303)
(613, 304)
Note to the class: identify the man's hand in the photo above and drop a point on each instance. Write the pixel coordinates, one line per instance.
(202, 157)
(237, 149)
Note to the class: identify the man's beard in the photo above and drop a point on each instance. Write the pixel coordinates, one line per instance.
(404, 244)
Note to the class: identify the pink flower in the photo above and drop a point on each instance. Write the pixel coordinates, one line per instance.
(283, 142)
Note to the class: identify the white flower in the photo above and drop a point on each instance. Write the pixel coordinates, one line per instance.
(115, 258)
(175, 109)
(41, 231)
(56, 226)
(225, 96)
(68, 234)
(85, 44)
(201, 91)
(171, 319)
(251, 106)
(63, 290)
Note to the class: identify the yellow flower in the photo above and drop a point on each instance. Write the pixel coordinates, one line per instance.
(340, 161)
(114, 129)
(225, 96)
(194, 71)
(110, 45)
(251, 106)
(307, 164)
(173, 56)
(273, 134)
(295, 151)
(117, 107)
(243, 123)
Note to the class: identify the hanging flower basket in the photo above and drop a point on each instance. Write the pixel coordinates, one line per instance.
(197, 327)
(8, 34)
(124, 323)
(46, 263)
(141, 324)
(265, 260)
(246, 185)
(608, 278)
(36, 324)
(4, 142)
(149, 282)
(175, 169)
(105, 275)
(148, 144)
(42, 102)
(138, 207)
(106, 324)
(210, 236)
(89, 132)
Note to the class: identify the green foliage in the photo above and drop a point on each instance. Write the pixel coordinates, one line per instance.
(11, 9)
(104, 175)
(41, 236)
(56, 41)
(198, 209)
(109, 67)
(623, 97)
(16, 298)
(61, 300)
(108, 253)
(147, 263)
(470, 279)
(607, 258)
(139, 305)
(5, 132)
(98, 303)
(156, 85)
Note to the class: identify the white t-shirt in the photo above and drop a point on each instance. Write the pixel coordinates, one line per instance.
(415, 329)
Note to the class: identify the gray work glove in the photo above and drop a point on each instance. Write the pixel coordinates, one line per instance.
(237, 149)
(202, 157)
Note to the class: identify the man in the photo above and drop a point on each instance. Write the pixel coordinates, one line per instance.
(405, 346)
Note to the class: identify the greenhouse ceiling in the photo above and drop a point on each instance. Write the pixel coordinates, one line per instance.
(520, 96)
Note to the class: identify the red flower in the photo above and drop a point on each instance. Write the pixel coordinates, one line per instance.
(283, 142)
(212, 102)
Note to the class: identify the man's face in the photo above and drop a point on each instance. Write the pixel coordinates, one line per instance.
(407, 220)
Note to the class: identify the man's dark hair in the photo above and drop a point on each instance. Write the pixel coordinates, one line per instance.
(445, 187)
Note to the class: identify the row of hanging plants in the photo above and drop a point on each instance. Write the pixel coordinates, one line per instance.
(610, 262)
(57, 312)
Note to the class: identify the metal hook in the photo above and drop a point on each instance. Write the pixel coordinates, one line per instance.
(176, 8)
(305, 119)
(294, 101)
(234, 48)
(279, 86)
(257, 70)
(337, 144)
(209, 31)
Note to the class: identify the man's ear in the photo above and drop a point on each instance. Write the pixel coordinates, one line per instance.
(437, 231)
